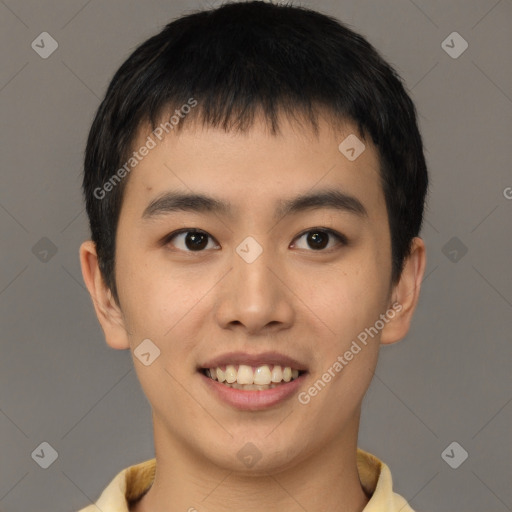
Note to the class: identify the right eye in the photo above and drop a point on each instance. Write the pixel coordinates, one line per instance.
(188, 240)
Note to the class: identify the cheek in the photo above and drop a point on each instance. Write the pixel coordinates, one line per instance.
(353, 296)
(168, 308)
(162, 309)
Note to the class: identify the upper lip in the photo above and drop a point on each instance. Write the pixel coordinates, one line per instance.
(237, 358)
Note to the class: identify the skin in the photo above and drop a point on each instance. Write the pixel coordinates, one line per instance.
(309, 304)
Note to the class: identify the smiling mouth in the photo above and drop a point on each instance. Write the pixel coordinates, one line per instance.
(252, 378)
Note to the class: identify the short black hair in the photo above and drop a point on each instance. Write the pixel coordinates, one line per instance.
(243, 58)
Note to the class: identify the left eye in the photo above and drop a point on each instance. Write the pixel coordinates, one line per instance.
(319, 238)
(196, 240)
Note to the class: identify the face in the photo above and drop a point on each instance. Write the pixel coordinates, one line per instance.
(254, 277)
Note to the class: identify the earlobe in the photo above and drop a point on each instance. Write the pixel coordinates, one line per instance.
(405, 294)
(108, 312)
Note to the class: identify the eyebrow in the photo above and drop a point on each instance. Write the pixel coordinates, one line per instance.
(333, 199)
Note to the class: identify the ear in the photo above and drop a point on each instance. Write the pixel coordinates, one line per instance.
(108, 312)
(405, 294)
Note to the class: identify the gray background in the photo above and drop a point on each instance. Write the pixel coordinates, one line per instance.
(448, 380)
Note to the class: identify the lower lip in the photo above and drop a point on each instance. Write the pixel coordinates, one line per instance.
(254, 400)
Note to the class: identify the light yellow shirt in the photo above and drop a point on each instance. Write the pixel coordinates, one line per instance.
(132, 482)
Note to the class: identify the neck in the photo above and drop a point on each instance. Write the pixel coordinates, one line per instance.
(325, 479)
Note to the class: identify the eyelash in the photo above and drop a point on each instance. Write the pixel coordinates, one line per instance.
(342, 239)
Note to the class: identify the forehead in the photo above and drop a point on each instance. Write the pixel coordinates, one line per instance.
(254, 168)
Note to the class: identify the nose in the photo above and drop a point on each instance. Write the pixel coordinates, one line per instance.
(255, 295)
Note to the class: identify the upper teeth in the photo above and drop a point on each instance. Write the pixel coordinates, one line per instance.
(262, 375)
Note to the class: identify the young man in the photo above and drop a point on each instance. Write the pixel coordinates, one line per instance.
(255, 184)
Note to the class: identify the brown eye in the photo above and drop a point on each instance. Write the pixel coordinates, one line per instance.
(189, 240)
(318, 239)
